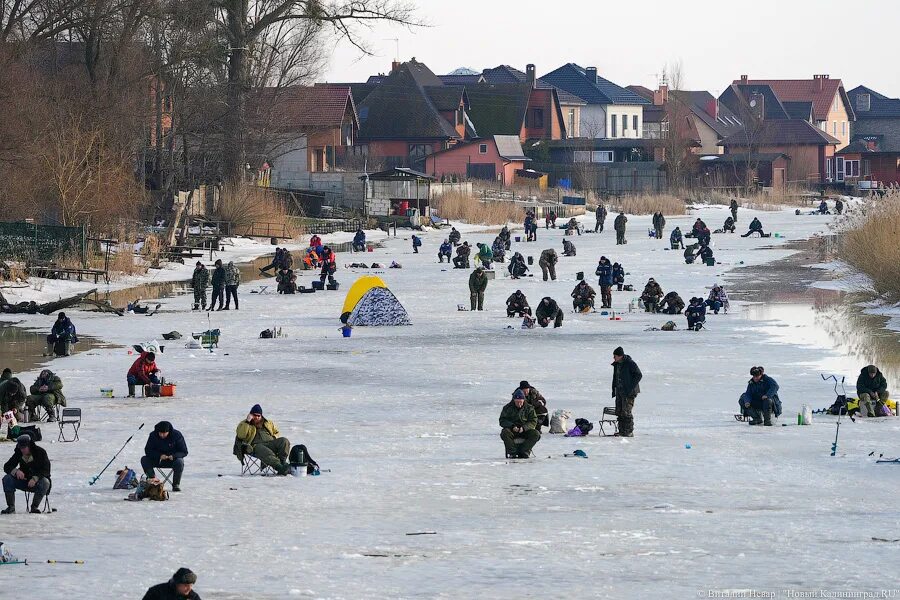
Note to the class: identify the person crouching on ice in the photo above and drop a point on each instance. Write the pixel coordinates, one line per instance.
(519, 422)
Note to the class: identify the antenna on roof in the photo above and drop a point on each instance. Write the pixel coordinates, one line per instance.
(397, 44)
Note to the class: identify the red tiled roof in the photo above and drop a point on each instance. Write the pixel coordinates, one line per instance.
(803, 90)
(299, 107)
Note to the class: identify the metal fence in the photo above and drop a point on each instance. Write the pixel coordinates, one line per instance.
(30, 242)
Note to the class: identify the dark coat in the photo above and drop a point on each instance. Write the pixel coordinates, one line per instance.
(755, 225)
(626, 378)
(675, 237)
(618, 273)
(166, 591)
(513, 416)
(546, 310)
(64, 329)
(200, 278)
(38, 467)
(478, 282)
(446, 249)
(766, 386)
(583, 290)
(174, 444)
(454, 236)
(696, 311)
(464, 251)
(518, 300)
(601, 213)
(604, 272)
(218, 277)
(673, 300)
(870, 385)
(619, 223)
(54, 386)
(359, 238)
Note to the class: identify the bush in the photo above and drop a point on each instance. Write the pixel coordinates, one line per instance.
(647, 204)
(244, 205)
(456, 206)
(869, 244)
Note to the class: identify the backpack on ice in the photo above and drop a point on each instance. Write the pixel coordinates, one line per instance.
(126, 479)
(582, 428)
(153, 489)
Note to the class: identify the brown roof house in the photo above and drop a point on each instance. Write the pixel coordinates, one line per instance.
(496, 158)
(410, 114)
(302, 130)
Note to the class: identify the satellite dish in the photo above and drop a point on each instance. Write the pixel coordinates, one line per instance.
(753, 103)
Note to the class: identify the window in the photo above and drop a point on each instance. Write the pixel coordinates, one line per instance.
(482, 148)
(851, 168)
(419, 151)
(843, 128)
(582, 156)
(538, 120)
(602, 156)
(634, 122)
(866, 168)
(863, 102)
(834, 128)
(834, 105)
(829, 169)
(571, 126)
(613, 126)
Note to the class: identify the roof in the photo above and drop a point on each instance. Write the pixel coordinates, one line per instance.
(799, 110)
(643, 92)
(743, 157)
(857, 147)
(737, 98)
(606, 144)
(507, 74)
(401, 173)
(302, 107)
(788, 132)
(509, 147)
(461, 79)
(574, 79)
(725, 124)
(405, 107)
(880, 106)
(820, 91)
(498, 109)
(359, 90)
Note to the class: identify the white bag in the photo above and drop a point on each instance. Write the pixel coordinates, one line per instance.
(806, 415)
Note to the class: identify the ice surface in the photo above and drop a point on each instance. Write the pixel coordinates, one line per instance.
(406, 418)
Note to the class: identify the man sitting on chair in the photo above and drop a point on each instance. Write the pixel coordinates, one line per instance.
(46, 392)
(166, 449)
(143, 371)
(28, 470)
(259, 437)
(519, 422)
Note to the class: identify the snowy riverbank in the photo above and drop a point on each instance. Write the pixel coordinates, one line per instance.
(407, 421)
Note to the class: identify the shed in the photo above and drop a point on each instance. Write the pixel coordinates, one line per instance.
(398, 191)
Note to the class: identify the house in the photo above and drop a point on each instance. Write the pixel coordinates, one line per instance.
(820, 100)
(874, 152)
(569, 104)
(610, 111)
(496, 158)
(519, 108)
(303, 130)
(809, 149)
(411, 114)
(744, 170)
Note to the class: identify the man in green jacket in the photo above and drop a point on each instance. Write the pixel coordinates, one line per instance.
(519, 423)
(625, 388)
(477, 285)
(537, 401)
(871, 387)
(259, 437)
(12, 397)
(46, 392)
(199, 281)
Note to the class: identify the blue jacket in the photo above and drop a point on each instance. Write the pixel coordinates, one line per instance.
(675, 236)
(64, 329)
(416, 241)
(618, 273)
(604, 272)
(359, 238)
(446, 248)
(764, 387)
(174, 444)
(696, 311)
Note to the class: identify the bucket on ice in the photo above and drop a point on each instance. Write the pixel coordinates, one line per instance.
(298, 470)
(346, 330)
(106, 392)
(518, 238)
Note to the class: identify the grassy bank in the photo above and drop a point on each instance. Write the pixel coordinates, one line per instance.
(869, 244)
(463, 207)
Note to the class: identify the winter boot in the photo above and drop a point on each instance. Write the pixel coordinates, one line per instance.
(10, 504)
(767, 418)
(131, 390)
(36, 503)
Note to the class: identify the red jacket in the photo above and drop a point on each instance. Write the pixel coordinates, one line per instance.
(141, 370)
(315, 241)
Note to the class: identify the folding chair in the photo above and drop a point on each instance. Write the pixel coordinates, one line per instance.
(253, 466)
(165, 474)
(40, 413)
(45, 509)
(609, 417)
(69, 416)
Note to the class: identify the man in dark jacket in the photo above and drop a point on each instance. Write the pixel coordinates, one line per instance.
(63, 332)
(734, 208)
(517, 304)
(548, 312)
(757, 401)
(838, 206)
(46, 392)
(517, 267)
(180, 587)
(547, 262)
(537, 401)
(28, 470)
(728, 227)
(583, 297)
(199, 281)
(871, 387)
(625, 388)
(462, 256)
(659, 222)
(671, 304)
(519, 422)
(477, 285)
(218, 286)
(653, 293)
(165, 448)
(601, 218)
(676, 240)
(12, 397)
(696, 314)
(454, 236)
(618, 273)
(755, 227)
(359, 241)
(569, 248)
(619, 225)
(604, 273)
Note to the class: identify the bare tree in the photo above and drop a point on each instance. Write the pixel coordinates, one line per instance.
(677, 138)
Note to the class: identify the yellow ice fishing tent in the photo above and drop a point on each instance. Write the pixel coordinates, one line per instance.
(370, 303)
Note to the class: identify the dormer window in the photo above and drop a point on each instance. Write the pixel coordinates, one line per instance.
(482, 148)
(863, 102)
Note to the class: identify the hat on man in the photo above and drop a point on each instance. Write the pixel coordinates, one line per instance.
(518, 394)
(256, 410)
(524, 384)
(618, 352)
(23, 440)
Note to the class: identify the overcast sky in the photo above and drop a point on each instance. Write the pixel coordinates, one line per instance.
(630, 42)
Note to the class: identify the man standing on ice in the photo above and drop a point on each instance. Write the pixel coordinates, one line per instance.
(199, 281)
(619, 226)
(519, 422)
(625, 388)
(262, 436)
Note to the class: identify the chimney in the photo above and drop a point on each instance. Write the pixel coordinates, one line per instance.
(712, 108)
(529, 75)
(395, 65)
(591, 73)
(661, 96)
(820, 80)
(744, 79)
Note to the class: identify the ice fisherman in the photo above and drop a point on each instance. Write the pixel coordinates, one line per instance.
(259, 437)
(27, 470)
(46, 392)
(518, 422)
(625, 389)
(62, 333)
(166, 449)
